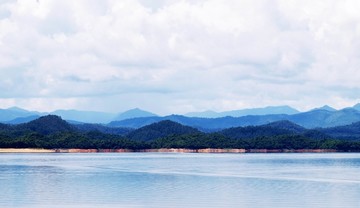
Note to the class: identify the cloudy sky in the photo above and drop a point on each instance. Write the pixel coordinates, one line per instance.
(177, 56)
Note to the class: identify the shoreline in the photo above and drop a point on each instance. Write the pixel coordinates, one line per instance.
(25, 150)
(164, 150)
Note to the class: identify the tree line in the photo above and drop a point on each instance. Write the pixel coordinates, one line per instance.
(97, 140)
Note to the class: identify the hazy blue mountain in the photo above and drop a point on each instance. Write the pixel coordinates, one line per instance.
(78, 122)
(325, 107)
(136, 122)
(324, 118)
(17, 109)
(21, 120)
(343, 117)
(15, 112)
(214, 124)
(84, 116)
(261, 111)
(15, 115)
(53, 132)
(133, 113)
(244, 112)
(204, 114)
(160, 130)
(204, 124)
(311, 119)
(357, 107)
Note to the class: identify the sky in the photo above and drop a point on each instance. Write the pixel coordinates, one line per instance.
(178, 56)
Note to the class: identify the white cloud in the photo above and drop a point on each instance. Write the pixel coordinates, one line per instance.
(177, 56)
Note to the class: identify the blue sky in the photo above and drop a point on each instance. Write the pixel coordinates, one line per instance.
(171, 56)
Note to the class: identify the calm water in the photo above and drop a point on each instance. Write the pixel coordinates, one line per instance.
(179, 180)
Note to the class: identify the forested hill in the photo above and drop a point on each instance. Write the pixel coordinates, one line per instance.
(160, 130)
(47, 125)
(53, 132)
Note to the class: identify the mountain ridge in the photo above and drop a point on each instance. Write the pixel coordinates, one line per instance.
(134, 113)
(310, 119)
(268, 110)
(52, 131)
(325, 107)
(324, 116)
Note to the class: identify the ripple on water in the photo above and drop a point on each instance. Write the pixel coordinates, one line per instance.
(180, 180)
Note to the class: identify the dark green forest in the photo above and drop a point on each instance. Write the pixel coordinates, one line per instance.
(51, 132)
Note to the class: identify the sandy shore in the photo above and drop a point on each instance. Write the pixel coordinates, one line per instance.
(25, 150)
(175, 150)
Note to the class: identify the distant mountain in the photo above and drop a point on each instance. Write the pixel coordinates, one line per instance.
(84, 116)
(324, 118)
(311, 119)
(136, 122)
(133, 113)
(47, 125)
(160, 130)
(325, 107)
(204, 124)
(15, 112)
(17, 109)
(73, 122)
(51, 132)
(21, 120)
(270, 110)
(15, 115)
(204, 114)
(357, 107)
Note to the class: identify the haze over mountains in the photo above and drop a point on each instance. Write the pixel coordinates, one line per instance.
(273, 131)
(209, 121)
(53, 132)
(15, 115)
(244, 112)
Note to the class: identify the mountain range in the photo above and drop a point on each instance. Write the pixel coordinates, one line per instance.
(52, 132)
(208, 121)
(54, 125)
(310, 119)
(244, 112)
(15, 115)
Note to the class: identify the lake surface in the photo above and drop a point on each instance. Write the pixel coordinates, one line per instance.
(180, 180)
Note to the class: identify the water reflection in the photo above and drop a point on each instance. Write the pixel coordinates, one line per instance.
(179, 180)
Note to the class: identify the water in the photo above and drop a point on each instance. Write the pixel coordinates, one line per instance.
(180, 180)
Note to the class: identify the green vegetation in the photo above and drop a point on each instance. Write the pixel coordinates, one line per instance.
(52, 132)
